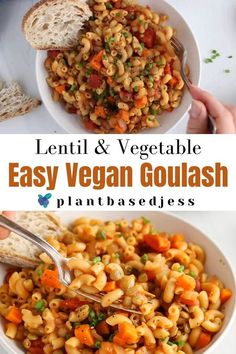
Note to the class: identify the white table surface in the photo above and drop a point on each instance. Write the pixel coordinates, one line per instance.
(212, 21)
(221, 228)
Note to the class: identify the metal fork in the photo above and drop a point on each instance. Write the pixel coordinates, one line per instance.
(182, 54)
(64, 274)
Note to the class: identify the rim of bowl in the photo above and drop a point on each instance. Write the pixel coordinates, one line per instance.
(38, 63)
(7, 346)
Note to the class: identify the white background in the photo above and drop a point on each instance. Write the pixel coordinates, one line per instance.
(212, 21)
(221, 227)
(220, 150)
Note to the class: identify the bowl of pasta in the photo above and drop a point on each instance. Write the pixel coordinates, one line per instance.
(124, 76)
(159, 265)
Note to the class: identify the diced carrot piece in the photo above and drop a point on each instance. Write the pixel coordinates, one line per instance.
(141, 102)
(180, 245)
(173, 82)
(159, 242)
(50, 279)
(225, 295)
(177, 237)
(119, 129)
(84, 335)
(14, 315)
(167, 69)
(103, 328)
(203, 340)
(146, 53)
(60, 89)
(122, 114)
(127, 334)
(110, 285)
(96, 61)
(189, 298)
(186, 282)
(119, 340)
(109, 80)
(100, 111)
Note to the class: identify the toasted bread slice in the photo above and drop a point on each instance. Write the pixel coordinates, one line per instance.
(19, 252)
(14, 102)
(55, 24)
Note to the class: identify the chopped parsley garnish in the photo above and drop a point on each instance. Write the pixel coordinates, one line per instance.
(214, 54)
(110, 338)
(80, 64)
(75, 324)
(154, 112)
(107, 47)
(145, 72)
(181, 268)
(142, 45)
(149, 66)
(40, 305)
(150, 78)
(145, 220)
(112, 92)
(117, 255)
(125, 34)
(39, 272)
(144, 258)
(88, 72)
(180, 343)
(109, 6)
(97, 344)
(208, 60)
(73, 88)
(104, 57)
(135, 88)
(67, 336)
(95, 319)
(96, 259)
(192, 274)
(226, 71)
(159, 63)
(103, 235)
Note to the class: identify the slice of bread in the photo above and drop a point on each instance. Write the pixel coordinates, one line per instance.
(14, 102)
(19, 252)
(55, 24)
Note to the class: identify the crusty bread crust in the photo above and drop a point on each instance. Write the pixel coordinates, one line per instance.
(14, 102)
(17, 251)
(47, 3)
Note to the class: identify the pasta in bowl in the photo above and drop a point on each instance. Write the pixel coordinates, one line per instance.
(124, 77)
(167, 277)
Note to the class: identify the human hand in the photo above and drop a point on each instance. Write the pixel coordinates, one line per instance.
(203, 102)
(4, 232)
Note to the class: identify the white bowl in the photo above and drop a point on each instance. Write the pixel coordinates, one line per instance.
(72, 123)
(216, 263)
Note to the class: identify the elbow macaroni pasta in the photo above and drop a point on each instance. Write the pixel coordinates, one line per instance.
(124, 62)
(179, 303)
